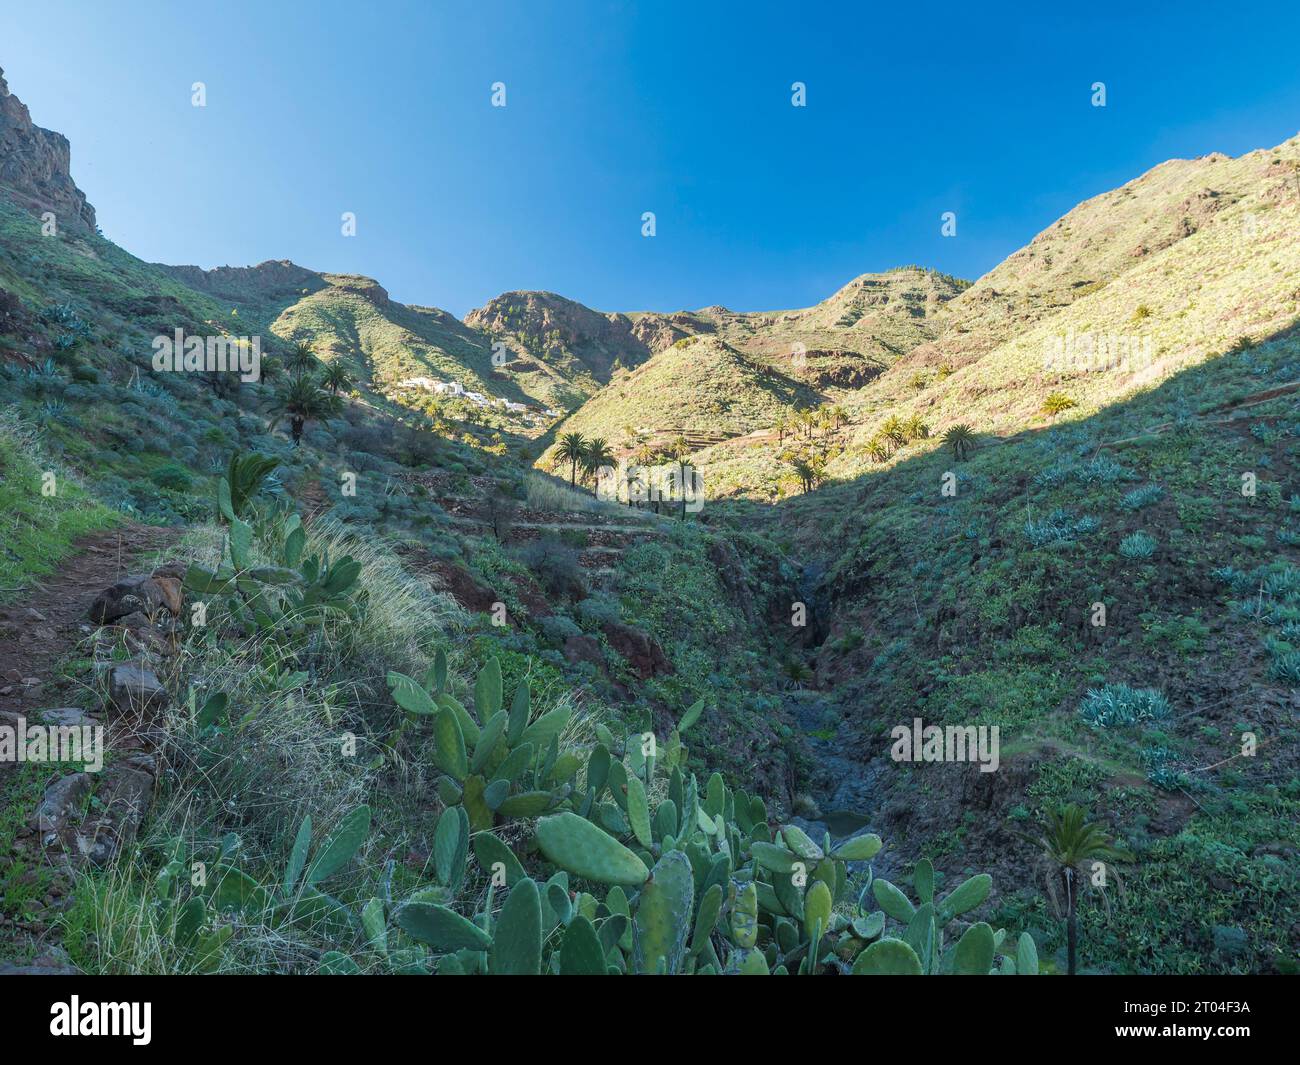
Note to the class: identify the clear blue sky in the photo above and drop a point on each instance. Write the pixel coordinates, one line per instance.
(617, 108)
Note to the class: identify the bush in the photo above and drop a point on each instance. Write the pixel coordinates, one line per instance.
(1056, 403)
(173, 477)
(558, 628)
(555, 564)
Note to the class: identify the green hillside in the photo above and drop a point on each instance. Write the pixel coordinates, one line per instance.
(700, 388)
(418, 705)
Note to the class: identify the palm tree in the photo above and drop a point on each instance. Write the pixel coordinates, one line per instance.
(598, 455)
(877, 450)
(1071, 849)
(796, 673)
(632, 477)
(894, 431)
(916, 428)
(301, 359)
(680, 451)
(810, 469)
(782, 426)
(336, 377)
(839, 414)
(961, 439)
(302, 400)
(271, 368)
(572, 449)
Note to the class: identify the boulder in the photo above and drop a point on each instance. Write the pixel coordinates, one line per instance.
(61, 801)
(142, 594)
(135, 690)
(173, 597)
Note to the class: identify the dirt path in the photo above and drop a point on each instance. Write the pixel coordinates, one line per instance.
(48, 618)
(44, 626)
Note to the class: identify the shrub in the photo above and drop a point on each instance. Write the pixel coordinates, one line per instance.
(173, 477)
(559, 628)
(555, 564)
(1056, 403)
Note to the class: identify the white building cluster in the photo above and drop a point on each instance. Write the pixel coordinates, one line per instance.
(455, 390)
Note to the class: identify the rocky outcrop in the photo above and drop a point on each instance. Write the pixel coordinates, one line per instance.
(644, 655)
(579, 649)
(35, 166)
(552, 328)
(273, 279)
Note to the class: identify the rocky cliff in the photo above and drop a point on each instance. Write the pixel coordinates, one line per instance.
(34, 166)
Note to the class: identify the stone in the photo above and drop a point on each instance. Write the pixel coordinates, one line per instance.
(131, 594)
(61, 800)
(68, 715)
(135, 690)
(173, 597)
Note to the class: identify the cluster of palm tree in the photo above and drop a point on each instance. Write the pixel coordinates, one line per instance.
(805, 424)
(580, 453)
(311, 392)
(894, 434)
(588, 456)
(808, 466)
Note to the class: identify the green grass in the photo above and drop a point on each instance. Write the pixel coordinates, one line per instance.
(36, 529)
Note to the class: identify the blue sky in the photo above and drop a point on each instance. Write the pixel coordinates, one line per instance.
(618, 108)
